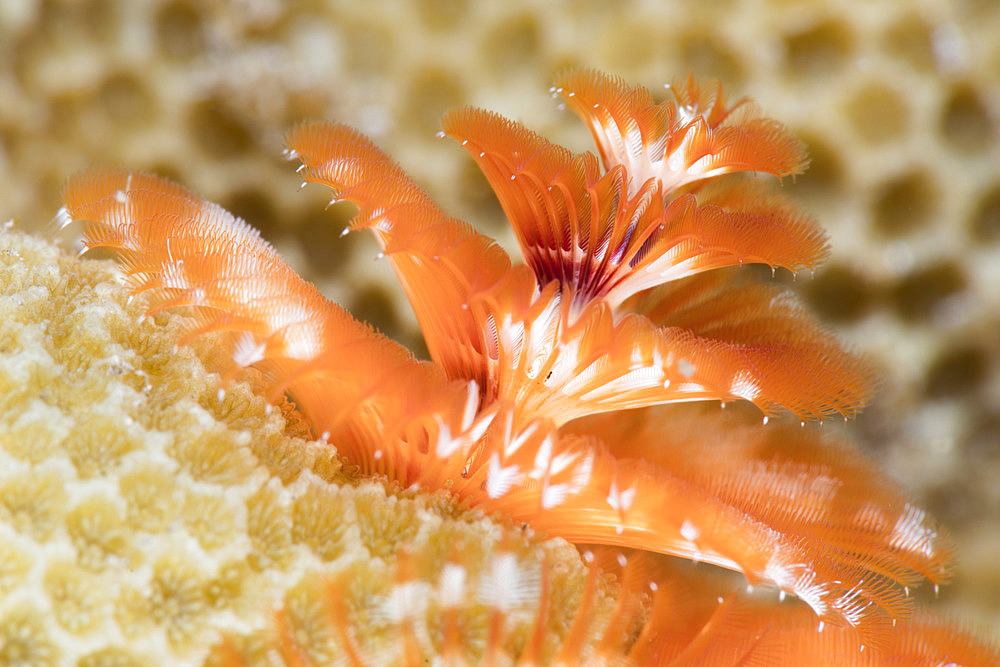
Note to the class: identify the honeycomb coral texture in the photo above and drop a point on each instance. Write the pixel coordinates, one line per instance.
(143, 512)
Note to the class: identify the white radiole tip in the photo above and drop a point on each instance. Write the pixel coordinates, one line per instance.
(62, 218)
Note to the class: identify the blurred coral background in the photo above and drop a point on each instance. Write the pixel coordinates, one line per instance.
(898, 102)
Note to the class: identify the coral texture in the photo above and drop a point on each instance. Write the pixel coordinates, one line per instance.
(620, 305)
(144, 510)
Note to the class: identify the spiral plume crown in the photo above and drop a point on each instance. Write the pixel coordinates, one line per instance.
(624, 302)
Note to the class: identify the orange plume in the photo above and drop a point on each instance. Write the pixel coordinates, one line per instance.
(353, 385)
(441, 262)
(607, 236)
(678, 142)
(620, 306)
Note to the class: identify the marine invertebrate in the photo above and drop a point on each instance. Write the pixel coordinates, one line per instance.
(614, 309)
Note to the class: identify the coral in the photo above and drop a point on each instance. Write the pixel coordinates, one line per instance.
(145, 509)
(612, 311)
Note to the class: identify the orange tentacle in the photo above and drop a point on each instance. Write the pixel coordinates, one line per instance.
(607, 236)
(441, 262)
(677, 142)
(355, 386)
(771, 350)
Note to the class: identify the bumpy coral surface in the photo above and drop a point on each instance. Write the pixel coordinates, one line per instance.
(145, 511)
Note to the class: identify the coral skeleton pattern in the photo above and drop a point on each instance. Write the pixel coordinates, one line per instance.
(548, 397)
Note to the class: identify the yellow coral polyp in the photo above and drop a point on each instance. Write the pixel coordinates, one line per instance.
(141, 517)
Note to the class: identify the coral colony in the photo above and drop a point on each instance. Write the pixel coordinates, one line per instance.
(549, 400)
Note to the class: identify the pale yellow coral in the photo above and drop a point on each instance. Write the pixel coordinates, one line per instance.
(143, 512)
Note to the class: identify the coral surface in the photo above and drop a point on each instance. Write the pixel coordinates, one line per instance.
(144, 510)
